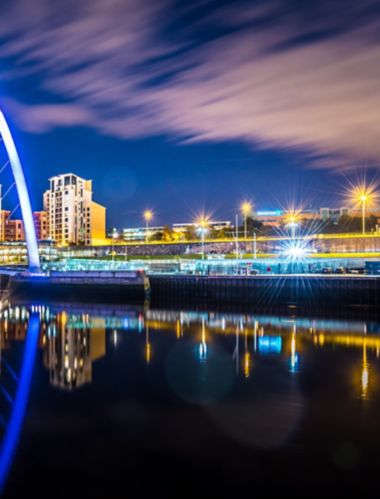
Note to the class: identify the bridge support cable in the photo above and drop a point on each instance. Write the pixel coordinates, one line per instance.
(14, 210)
(4, 166)
(8, 191)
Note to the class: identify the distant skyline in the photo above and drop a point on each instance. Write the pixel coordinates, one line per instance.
(183, 107)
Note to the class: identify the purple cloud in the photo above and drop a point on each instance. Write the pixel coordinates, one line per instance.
(111, 69)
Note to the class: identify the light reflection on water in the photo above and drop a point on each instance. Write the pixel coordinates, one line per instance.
(260, 379)
(72, 339)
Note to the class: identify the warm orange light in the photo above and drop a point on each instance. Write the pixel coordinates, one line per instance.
(247, 364)
(148, 215)
(202, 221)
(292, 217)
(246, 208)
(148, 353)
(364, 194)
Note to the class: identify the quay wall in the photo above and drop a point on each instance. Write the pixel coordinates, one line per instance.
(268, 290)
(261, 291)
(100, 287)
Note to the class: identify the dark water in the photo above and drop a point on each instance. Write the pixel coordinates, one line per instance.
(129, 402)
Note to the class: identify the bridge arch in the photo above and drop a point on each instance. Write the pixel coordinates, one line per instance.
(23, 195)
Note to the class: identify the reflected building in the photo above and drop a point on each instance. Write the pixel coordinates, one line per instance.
(70, 351)
(71, 342)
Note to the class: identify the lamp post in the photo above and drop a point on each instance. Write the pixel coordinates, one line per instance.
(292, 221)
(148, 215)
(363, 200)
(246, 210)
(365, 196)
(237, 235)
(202, 226)
(115, 235)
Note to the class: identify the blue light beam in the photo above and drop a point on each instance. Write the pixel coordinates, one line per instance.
(12, 433)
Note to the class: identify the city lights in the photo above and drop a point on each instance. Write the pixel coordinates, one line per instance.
(202, 226)
(190, 282)
(294, 249)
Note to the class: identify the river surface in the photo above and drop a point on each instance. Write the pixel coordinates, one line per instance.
(135, 402)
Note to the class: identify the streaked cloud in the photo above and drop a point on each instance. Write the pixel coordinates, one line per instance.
(267, 73)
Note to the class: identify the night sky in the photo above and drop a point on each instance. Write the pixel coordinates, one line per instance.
(188, 106)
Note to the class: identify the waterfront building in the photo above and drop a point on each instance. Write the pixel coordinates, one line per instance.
(41, 223)
(11, 229)
(139, 233)
(277, 218)
(211, 224)
(73, 217)
(272, 218)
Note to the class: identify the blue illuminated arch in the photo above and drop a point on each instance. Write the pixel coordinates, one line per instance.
(22, 191)
(12, 434)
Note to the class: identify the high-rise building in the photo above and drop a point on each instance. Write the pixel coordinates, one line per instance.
(73, 217)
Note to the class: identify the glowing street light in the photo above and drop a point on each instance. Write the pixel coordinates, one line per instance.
(246, 210)
(115, 236)
(364, 195)
(363, 199)
(148, 215)
(202, 224)
(292, 220)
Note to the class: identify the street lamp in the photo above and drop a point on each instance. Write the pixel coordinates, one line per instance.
(148, 215)
(115, 236)
(365, 196)
(246, 210)
(292, 221)
(202, 224)
(363, 200)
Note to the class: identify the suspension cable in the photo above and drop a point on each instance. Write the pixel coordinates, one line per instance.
(8, 190)
(3, 168)
(14, 210)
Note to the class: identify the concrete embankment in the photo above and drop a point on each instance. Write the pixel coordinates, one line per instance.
(101, 287)
(261, 291)
(266, 290)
